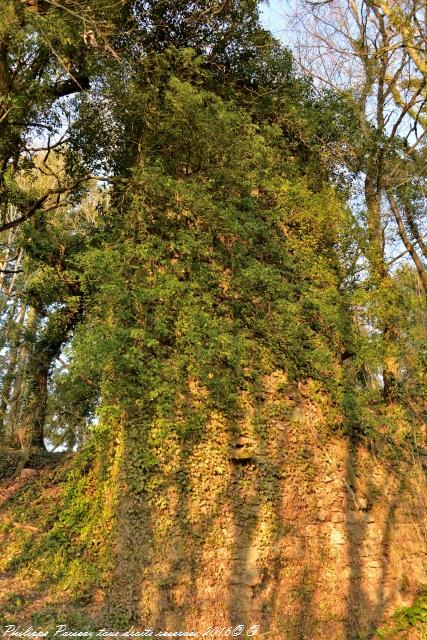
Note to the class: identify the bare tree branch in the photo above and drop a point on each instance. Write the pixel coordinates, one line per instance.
(37, 204)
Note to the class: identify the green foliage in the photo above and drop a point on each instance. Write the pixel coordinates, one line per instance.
(410, 616)
(223, 270)
(404, 619)
(221, 256)
(70, 553)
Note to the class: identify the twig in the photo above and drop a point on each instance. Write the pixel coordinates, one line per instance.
(37, 204)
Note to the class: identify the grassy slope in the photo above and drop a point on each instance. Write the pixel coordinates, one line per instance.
(49, 566)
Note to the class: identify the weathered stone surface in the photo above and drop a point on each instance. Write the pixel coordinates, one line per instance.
(298, 415)
(322, 515)
(28, 473)
(252, 577)
(337, 537)
(362, 503)
(321, 545)
(337, 516)
(242, 441)
(311, 530)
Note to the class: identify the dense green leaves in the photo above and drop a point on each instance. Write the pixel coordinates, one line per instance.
(221, 249)
(223, 269)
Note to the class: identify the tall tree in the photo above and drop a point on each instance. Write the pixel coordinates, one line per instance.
(48, 53)
(350, 46)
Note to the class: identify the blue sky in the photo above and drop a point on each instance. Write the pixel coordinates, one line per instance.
(273, 16)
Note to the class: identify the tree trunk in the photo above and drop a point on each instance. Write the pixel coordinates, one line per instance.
(415, 231)
(380, 278)
(409, 246)
(36, 406)
(43, 354)
(10, 375)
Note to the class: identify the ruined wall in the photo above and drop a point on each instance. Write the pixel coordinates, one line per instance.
(273, 521)
(11, 461)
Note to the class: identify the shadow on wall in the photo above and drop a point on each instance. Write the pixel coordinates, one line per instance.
(258, 521)
(264, 520)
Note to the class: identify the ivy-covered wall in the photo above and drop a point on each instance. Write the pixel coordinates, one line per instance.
(304, 533)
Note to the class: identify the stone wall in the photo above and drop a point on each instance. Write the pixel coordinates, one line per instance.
(284, 526)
